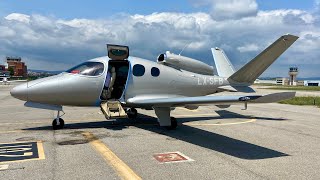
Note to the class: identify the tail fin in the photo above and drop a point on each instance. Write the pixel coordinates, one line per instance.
(251, 71)
(223, 65)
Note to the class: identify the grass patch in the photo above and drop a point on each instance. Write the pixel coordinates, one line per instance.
(265, 84)
(303, 101)
(296, 88)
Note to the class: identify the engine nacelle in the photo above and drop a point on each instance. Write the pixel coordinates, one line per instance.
(185, 63)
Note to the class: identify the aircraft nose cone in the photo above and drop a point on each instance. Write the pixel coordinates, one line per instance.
(20, 92)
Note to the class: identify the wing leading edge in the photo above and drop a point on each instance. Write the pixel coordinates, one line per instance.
(206, 100)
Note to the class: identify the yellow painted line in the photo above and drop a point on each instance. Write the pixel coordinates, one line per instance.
(123, 170)
(194, 115)
(4, 167)
(40, 150)
(13, 131)
(188, 110)
(45, 121)
(218, 124)
(23, 123)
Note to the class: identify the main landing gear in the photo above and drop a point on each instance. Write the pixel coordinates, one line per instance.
(164, 118)
(58, 123)
(132, 113)
(170, 123)
(173, 125)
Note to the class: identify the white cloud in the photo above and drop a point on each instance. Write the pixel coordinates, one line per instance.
(51, 43)
(18, 17)
(233, 9)
(229, 9)
(248, 48)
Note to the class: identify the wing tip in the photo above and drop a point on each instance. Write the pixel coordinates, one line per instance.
(289, 36)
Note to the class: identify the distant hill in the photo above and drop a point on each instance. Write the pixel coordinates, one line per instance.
(44, 71)
(299, 78)
(310, 78)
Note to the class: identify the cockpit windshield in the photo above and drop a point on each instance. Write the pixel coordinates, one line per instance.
(88, 69)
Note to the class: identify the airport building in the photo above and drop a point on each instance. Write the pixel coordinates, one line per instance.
(17, 66)
(282, 81)
(3, 71)
(293, 72)
(312, 83)
(291, 81)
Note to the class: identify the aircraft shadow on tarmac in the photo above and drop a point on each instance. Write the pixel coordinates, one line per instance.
(196, 136)
(224, 114)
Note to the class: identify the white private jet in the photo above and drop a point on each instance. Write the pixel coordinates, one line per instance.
(6, 80)
(119, 83)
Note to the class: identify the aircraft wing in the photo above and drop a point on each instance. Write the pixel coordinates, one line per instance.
(206, 100)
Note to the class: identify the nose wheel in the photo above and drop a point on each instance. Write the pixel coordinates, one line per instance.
(58, 123)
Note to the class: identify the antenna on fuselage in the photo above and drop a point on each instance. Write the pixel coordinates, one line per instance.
(184, 48)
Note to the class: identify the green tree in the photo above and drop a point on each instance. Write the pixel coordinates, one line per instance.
(11, 70)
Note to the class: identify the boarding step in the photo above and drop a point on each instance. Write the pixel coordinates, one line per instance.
(113, 109)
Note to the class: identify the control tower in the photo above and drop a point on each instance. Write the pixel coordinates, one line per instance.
(293, 72)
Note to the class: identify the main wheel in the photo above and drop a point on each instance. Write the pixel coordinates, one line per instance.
(132, 113)
(55, 126)
(174, 124)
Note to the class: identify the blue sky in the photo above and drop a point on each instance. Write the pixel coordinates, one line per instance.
(56, 34)
(102, 9)
(93, 8)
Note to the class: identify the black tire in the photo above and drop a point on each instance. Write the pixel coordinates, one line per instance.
(55, 126)
(132, 113)
(174, 124)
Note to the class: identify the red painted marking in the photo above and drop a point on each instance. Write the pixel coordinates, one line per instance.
(75, 71)
(169, 157)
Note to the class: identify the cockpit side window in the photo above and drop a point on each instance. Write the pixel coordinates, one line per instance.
(88, 69)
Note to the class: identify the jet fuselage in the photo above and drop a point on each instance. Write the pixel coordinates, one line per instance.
(70, 89)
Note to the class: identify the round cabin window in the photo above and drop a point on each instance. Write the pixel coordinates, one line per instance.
(155, 72)
(138, 70)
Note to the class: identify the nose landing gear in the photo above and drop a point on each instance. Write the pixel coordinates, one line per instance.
(58, 123)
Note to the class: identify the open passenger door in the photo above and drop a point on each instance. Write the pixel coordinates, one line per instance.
(118, 72)
(116, 52)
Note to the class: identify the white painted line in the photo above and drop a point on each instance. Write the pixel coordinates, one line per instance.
(4, 167)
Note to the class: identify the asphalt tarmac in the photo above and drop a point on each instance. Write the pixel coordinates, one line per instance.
(267, 141)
